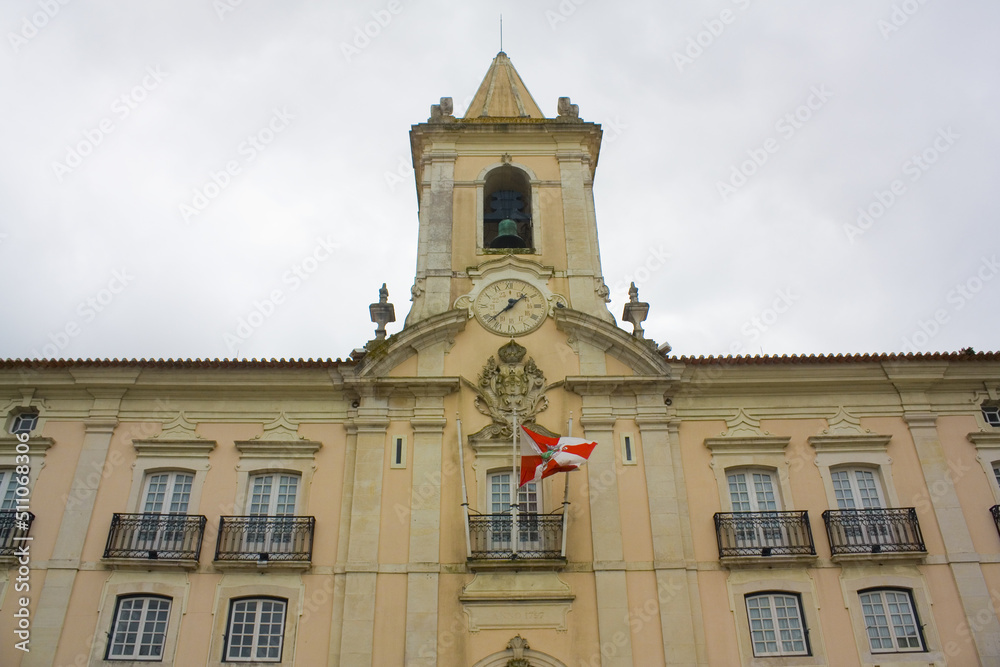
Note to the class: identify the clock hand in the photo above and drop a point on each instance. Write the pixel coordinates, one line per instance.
(510, 304)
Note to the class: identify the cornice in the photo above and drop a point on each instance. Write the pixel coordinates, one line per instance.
(985, 438)
(637, 354)
(269, 449)
(174, 448)
(586, 385)
(383, 356)
(761, 444)
(36, 446)
(850, 443)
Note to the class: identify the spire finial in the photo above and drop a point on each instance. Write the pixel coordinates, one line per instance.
(501, 33)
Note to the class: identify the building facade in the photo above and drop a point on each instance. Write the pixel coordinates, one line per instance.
(736, 511)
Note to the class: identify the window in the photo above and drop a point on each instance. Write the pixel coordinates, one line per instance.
(890, 621)
(856, 488)
(165, 493)
(255, 631)
(140, 628)
(271, 495)
(173, 485)
(23, 422)
(628, 449)
(762, 498)
(397, 454)
(776, 626)
(527, 513)
(8, 486)
(996, 471)
(991, 413)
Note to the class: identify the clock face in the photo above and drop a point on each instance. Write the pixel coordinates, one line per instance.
(510, 307)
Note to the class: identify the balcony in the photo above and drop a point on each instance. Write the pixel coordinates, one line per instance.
(874, 531)
(172, 537)
(995, 511)
(265, 540)
(539, 537)
(764, 534)
(11, 530)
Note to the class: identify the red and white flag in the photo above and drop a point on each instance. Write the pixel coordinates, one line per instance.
(542, 456)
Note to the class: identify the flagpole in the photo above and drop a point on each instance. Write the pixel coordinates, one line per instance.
(465, 489)
(565, 518)
(514, 490)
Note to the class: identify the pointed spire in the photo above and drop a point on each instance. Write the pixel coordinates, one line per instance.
(502, 94)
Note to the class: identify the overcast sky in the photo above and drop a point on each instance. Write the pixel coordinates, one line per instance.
(168, 167)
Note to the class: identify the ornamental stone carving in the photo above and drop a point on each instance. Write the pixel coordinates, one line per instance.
(508, 386)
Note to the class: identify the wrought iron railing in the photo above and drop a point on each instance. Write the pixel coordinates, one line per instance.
(265, 538)
(995, 511)
(764, 534)
(12, 528)
(155, 536)
(872, 531)
(539, 537)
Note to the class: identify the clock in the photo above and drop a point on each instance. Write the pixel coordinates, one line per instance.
(510, 307)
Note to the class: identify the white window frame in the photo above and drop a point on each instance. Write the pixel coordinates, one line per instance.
(856, 582)
(8, 488)
(142, 630)
(870, 451)
(780, 639)
(730, 453)
(529, 505)
(127, 584)
(753, 475)
(274, 492)
(255, 636)
(854, 486)
(906, 620)
(170, 494)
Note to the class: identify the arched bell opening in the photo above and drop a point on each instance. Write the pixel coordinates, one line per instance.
(507, 210)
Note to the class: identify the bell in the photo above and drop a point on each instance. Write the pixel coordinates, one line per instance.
(507, 236)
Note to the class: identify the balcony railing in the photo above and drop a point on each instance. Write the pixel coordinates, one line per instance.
(11, 529)
(155, 536)
(264, 539)
(995, 511)
(539, 537)
(764, 534)
(873, 531)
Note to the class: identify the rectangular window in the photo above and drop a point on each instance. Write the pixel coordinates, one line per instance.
(776, 626)
(256, 630)
(8, 487)
(628, 449)
(140, 629)
(890, 621)
(397, 453)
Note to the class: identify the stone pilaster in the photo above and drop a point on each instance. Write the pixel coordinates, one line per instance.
(432, 294)
(670, 529)
(606, 532)
(53, 601)
(358, 627)
(960, 551)
(425, 531)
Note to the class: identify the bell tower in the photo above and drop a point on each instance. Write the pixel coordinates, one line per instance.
(506, 193)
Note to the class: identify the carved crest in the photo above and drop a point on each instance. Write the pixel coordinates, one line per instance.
(508, 386)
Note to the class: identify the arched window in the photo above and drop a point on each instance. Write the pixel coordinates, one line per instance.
(776, 624)
(507, 197)
(139, 630)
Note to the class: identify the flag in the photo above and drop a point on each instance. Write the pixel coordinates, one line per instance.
(542, 456)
